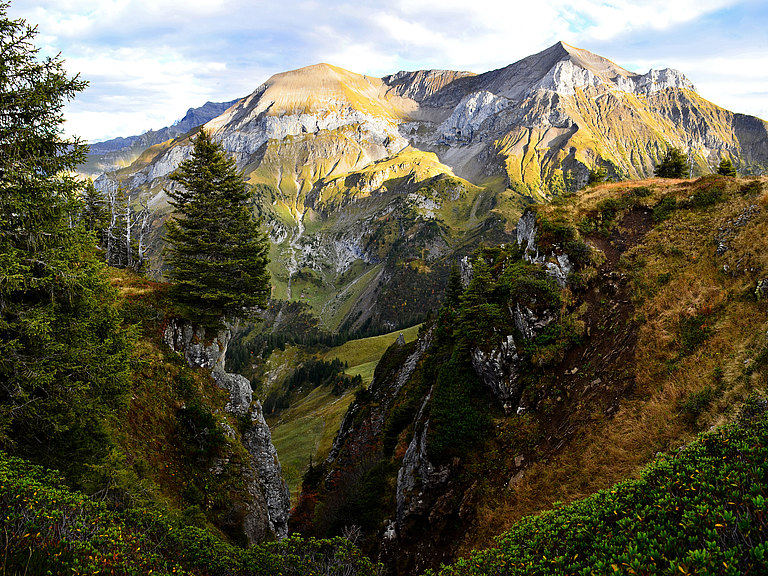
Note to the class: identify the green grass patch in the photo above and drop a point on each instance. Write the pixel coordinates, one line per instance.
(366, 350)
(305, 432)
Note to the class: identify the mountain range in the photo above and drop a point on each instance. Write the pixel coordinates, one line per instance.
(371, 187)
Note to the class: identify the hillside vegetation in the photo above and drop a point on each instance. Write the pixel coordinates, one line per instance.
(699, 512)
(657, 334)
(50, 529)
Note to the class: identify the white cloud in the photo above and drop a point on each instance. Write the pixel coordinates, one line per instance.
(152, 59)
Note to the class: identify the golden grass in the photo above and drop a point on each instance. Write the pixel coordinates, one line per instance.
(682, 250)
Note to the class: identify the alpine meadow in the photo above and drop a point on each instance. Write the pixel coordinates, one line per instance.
(436, 322)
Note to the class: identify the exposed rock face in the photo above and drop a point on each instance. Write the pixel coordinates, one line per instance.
(422, 84)
(258, 441)
(499, 370)
(470, 114)
(418, 480)
(528, 323)
(557, 265)
(269, 510)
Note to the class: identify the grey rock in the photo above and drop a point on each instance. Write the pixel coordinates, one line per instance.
(558, 266)
(270, 505)
(190, 341)
(240, 391)
(470, 114)
(526, 235)
(499, 370)
(258, 441)
(528, 323)
(465, 269)
(418, 480)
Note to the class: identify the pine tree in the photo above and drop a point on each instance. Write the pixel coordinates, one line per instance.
(726, 168)
(674, 165)
(455, 288)
(63, 354)
(217, 254)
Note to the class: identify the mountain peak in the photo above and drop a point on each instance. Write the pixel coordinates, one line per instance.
(563, 68)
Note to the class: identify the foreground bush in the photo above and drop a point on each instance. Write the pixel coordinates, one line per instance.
(48, 529)
(704, 511)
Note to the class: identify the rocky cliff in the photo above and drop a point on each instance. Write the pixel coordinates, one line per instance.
(268, 511)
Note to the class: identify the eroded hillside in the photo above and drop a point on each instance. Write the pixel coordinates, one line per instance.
(621, 322)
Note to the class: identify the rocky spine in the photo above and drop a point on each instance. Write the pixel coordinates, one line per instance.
(271, 499)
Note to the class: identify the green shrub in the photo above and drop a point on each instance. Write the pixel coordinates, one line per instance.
(674, 165)
(664, 208)
(700, 512)
(708, 196)
(693, 331)
(641, 192)
(48, 529)
(199, 431)
(458, 419)
(696, 402)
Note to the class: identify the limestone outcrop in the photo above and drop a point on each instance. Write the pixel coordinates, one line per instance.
(269, 509)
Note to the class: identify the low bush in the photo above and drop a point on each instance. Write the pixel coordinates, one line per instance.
(49, 529)
(704, 511)
(664, 208)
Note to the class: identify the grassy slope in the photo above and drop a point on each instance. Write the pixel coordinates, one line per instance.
(699, 512)
(305, 431)
(684, 379)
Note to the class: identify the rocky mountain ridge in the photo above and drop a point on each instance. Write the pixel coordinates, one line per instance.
(329, 151)
(119, 152)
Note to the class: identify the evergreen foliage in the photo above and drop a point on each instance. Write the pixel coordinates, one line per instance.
(63, 353)
(726, 168)
(597, 175)
(217, 254)
(701, 512)
(49, 529)
(455, 288)
(674, 165)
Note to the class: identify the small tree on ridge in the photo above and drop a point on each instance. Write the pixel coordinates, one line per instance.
(674, 165)
(726, 168)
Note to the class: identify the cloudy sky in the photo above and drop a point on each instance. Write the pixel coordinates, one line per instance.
(147, 61)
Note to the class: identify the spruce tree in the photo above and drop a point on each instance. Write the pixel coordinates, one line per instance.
(455, 288)
(63, 353)
(216, 251)
(674, 165)
(726, 168)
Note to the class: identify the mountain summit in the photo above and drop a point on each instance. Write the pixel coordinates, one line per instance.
(358, 175)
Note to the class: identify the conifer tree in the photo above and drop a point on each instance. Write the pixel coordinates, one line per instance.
(217, 253)
(726, 168)
(63, 353)
(455, 288)
(674, 165)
